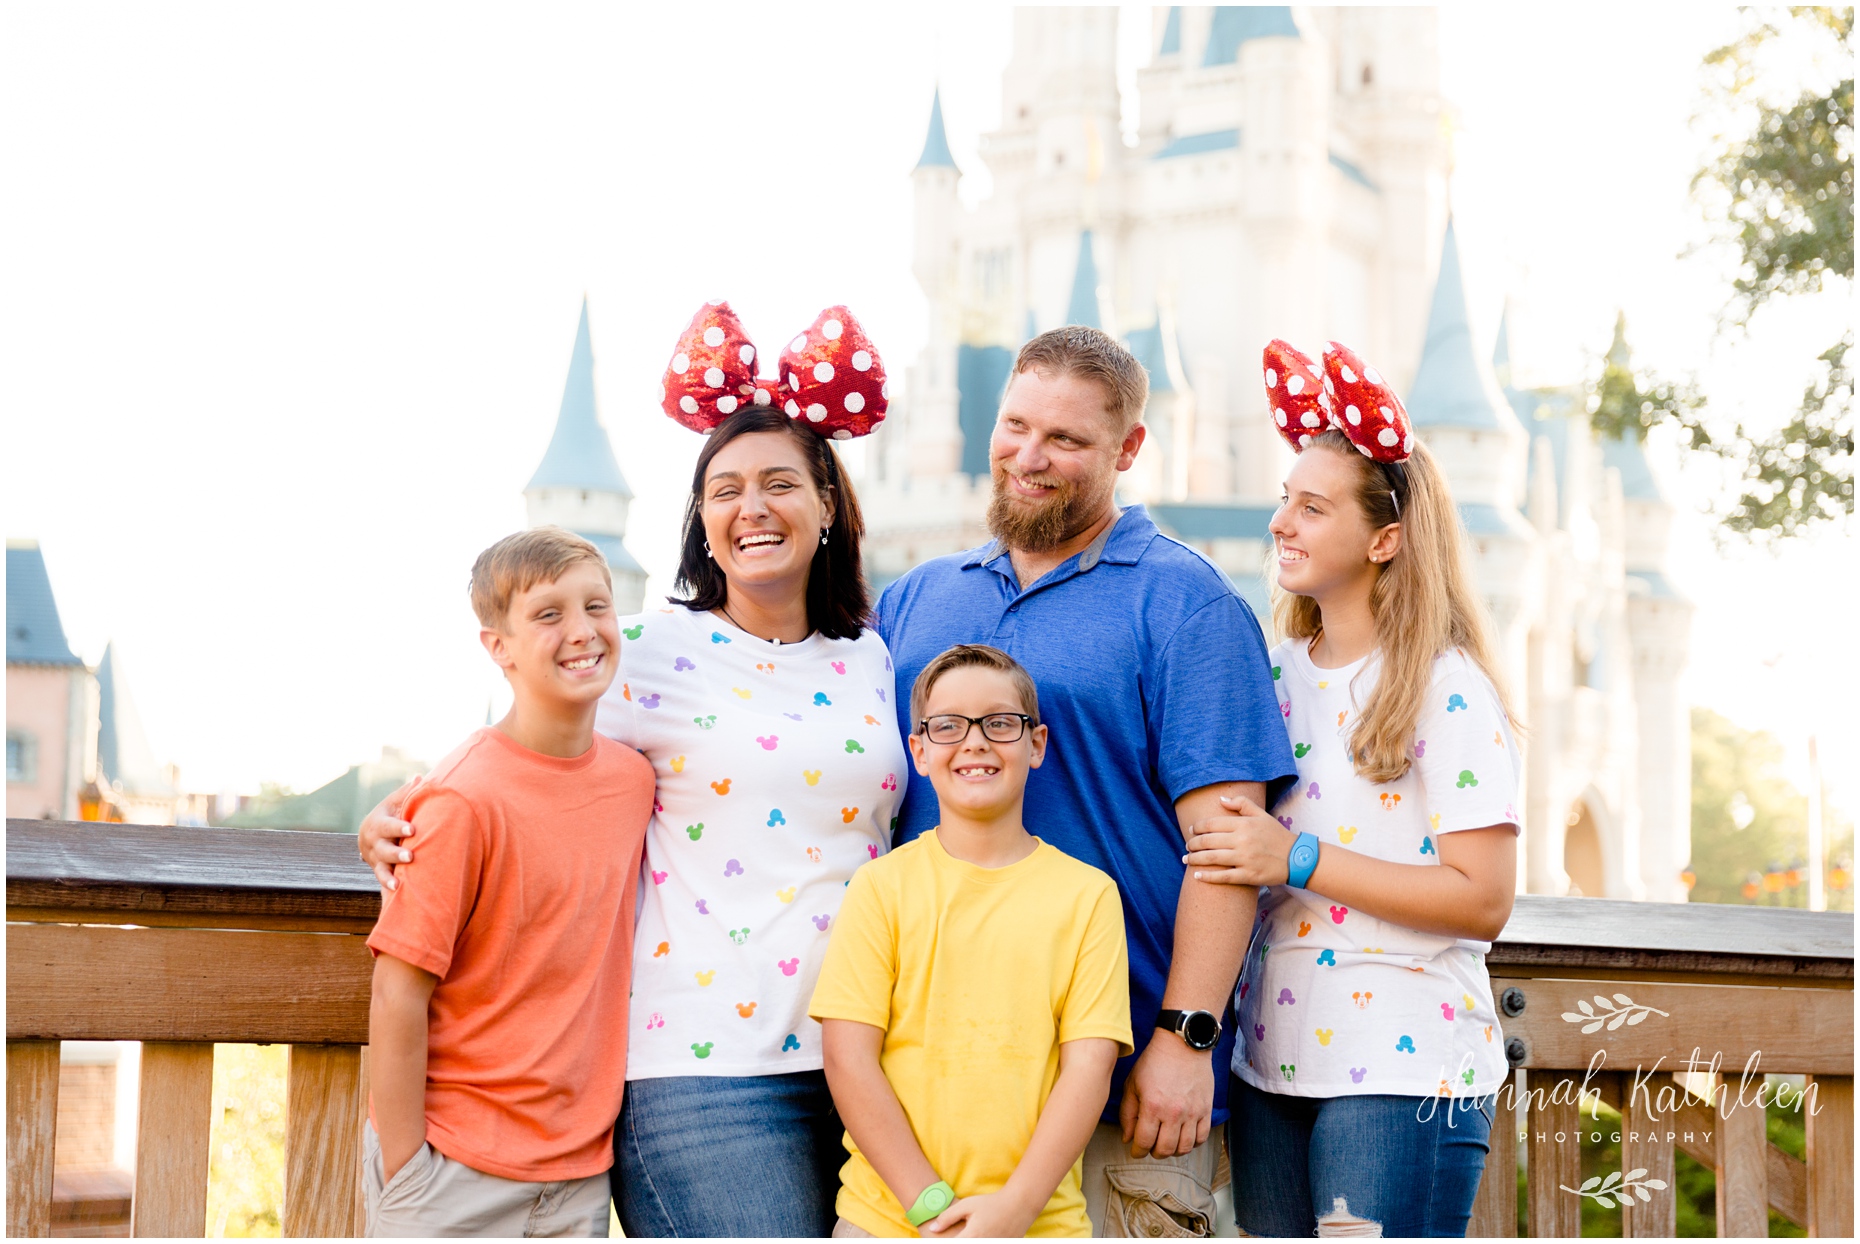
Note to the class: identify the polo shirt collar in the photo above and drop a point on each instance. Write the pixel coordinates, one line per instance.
(1122, 543)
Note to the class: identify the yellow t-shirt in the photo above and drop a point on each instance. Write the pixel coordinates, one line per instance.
(977, 975)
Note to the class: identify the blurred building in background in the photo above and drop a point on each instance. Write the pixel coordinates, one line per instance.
(578, 484)
(1289, 179)
(51, 697)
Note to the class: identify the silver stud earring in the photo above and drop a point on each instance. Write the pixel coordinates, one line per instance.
(707, 551)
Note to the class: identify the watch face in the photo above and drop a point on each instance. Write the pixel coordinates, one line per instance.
(1201, 1030)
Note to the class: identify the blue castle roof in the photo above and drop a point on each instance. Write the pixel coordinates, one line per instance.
(1082, 307)
(1235, 24)
(1454, 387)
(34, 635)
(1172, 32)
(579, 454)
(936, 142)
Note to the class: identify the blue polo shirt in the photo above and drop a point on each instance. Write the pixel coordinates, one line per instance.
(1154, 682)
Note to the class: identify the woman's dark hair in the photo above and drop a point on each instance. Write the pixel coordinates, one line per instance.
(837, 600)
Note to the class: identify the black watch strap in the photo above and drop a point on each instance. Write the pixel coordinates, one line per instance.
(1199, 1030)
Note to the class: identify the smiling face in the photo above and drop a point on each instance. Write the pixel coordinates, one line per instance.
(559, 639)
(1054, 455)
(762, 513)
(1324, 541)
(977, 779)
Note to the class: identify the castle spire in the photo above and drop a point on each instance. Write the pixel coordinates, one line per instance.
(1454, 386)
(579, 454)
(1082, 308)
(936, 143)
(578, 486)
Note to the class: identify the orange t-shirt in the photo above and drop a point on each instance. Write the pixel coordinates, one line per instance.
(520, 899)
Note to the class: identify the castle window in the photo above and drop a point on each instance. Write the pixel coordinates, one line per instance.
(22, 756)
(1369, 74)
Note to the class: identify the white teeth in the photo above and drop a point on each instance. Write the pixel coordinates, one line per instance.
(752, 541)
(582, 663)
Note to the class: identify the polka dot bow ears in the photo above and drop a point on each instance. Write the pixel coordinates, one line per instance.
(829, 378)
(1351, 396)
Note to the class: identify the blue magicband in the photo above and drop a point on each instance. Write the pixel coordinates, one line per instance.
(1303, 860)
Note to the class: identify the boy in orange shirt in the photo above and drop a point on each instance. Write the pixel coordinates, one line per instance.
(497, 1054)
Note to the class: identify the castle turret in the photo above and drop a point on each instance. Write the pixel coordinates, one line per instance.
(578, 484)
(1659, 624)
(929, 441)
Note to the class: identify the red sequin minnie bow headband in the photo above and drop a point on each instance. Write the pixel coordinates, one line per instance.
(829, 378)
(1351, 397)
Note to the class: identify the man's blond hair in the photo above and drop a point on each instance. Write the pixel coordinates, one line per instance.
(518, 563)
(1076, 350)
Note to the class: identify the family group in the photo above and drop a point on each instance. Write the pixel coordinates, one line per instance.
(1038, 897)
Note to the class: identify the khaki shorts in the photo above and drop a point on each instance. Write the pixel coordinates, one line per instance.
(1187, 1195)
(434, 1195)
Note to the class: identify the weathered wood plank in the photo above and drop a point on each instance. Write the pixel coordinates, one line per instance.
(1647, 1145)
(1740, 1159)
(1495, 1207)
(1553, 1155)
(31, 1129)
(359, 1211)
(1788, 1186)
(173, 1133)
(112, 984)
(1830, 1126)
(212, 915)
(322, 1143)
(1795, 1030)
(1705, 928)
(184, 856)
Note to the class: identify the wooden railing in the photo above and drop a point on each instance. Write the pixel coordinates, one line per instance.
(180, 938)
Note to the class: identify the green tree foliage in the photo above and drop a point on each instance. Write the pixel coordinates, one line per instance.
(1749, 821)
(1778, 190)
(1780, 185)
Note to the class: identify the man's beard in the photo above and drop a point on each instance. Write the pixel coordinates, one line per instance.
(1038, 527)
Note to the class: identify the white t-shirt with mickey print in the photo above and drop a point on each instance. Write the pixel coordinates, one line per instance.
(779, 772)
(1333, 1002)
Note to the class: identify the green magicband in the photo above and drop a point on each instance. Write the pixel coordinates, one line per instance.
(932, 1201)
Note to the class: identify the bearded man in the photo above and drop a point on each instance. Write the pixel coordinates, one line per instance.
(1153, 678)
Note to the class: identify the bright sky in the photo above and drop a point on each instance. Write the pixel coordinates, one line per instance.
(288, 299)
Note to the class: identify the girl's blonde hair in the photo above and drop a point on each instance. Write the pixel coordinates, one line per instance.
(1423, 603)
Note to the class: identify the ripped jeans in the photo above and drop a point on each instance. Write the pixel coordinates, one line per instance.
(1374, 1164)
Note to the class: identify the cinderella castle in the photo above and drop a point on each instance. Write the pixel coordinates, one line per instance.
(1290, 180)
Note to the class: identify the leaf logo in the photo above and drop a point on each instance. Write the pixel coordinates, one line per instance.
(1618, 1188)
(1612, 1014)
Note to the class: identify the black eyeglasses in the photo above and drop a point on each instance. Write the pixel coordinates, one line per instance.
(996, 727)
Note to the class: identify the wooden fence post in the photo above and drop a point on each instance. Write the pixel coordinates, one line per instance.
(172, 1139)
(322, 1142)
(1740, 1153)
(1495, 1207)
(1829, 1120)
(31, 1130)
(1553, 1155)
(1646, 1147)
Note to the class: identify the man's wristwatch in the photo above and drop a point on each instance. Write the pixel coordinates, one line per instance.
(1199, 1030)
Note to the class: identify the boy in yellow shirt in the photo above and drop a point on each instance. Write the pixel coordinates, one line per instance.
(975, 992)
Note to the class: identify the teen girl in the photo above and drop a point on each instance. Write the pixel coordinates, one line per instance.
(1370, 1051)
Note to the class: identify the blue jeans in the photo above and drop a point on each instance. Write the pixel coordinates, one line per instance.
(1411, 1164)
(728, 1156)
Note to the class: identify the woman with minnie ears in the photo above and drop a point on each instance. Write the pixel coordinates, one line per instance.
(763, 702)
(1370, 1050)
